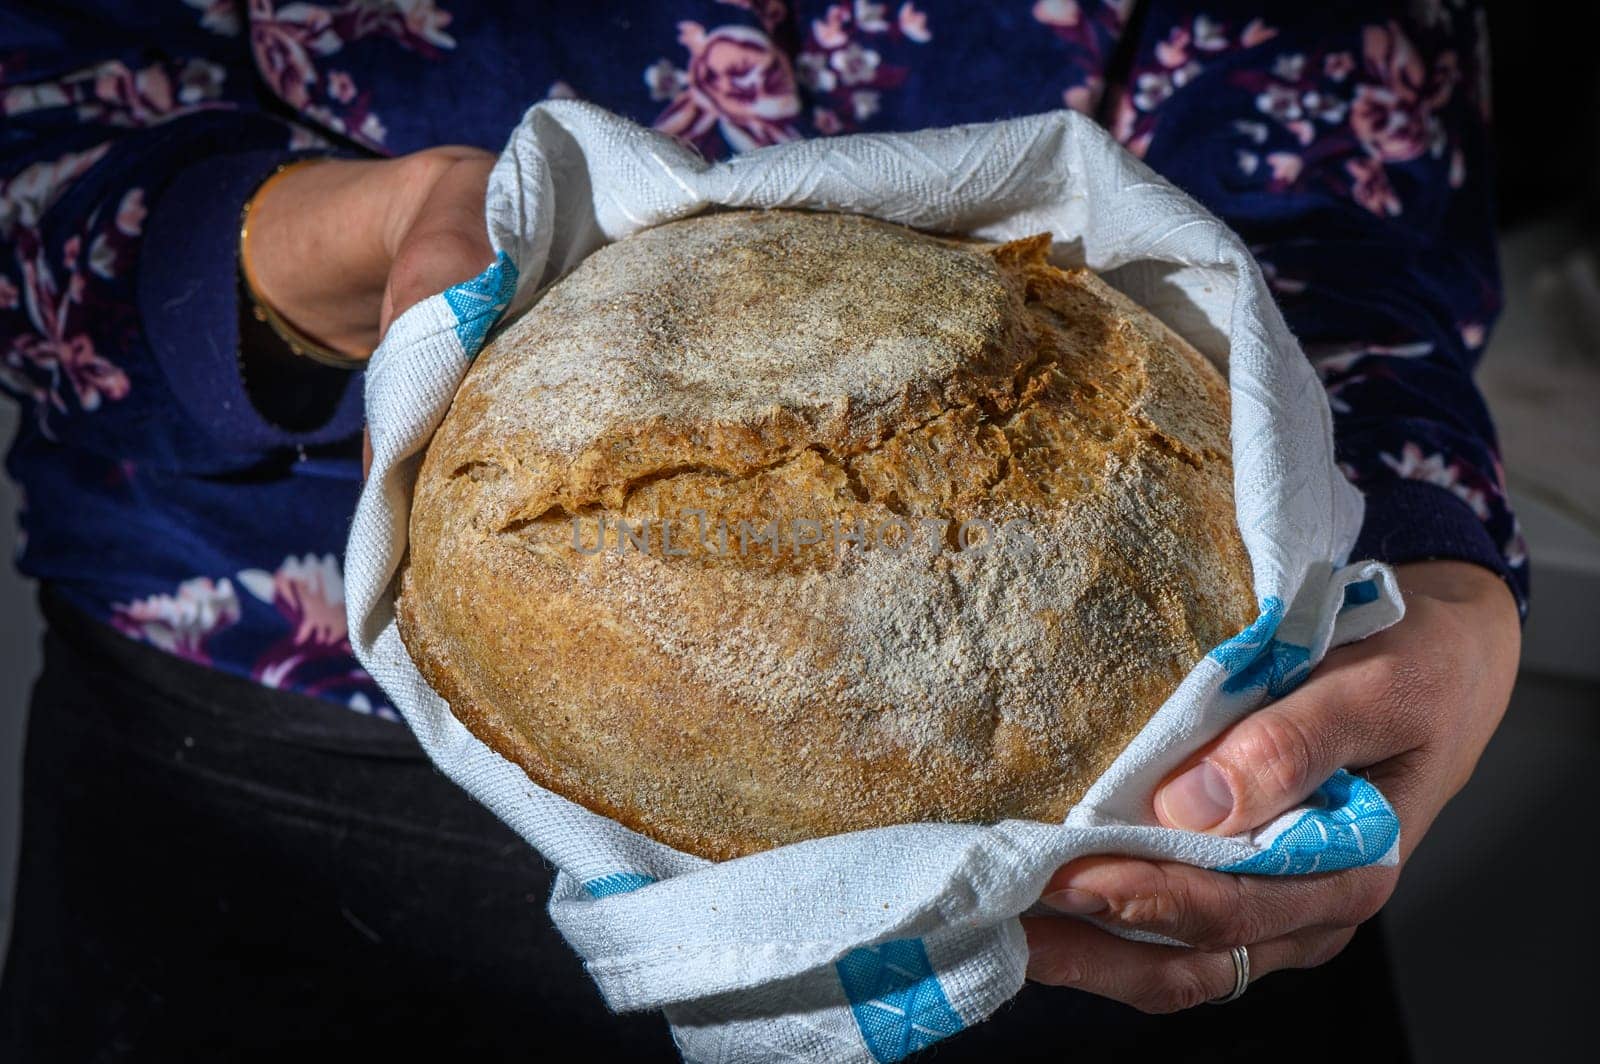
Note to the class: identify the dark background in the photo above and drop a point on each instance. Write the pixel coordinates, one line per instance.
(1545, 75)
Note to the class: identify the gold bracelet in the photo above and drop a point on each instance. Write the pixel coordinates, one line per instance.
(297, 341)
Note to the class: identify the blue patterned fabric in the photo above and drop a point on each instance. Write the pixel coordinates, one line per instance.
(478, 303)
(1254, 658)
(1349, 825)
(1360, 593)
(896, 999)
(1238, 653)
(617, 883)
(1346, 143)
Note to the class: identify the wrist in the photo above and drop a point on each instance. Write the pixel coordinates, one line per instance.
(316, 249)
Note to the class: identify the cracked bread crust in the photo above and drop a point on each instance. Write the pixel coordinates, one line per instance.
(726, 697)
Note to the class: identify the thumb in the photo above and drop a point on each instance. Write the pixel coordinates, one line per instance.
(1275, 758)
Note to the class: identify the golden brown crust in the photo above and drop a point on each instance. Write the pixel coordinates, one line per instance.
(752, 366)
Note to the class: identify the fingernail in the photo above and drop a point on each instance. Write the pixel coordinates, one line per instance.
(1197, 800)
(1074, 901)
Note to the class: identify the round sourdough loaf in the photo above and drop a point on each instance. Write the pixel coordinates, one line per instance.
(762, 526)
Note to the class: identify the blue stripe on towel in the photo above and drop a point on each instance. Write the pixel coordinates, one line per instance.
(1350, 824)
(896, 999)
(1360, 593)
(616, 883)
(478, 303)
(1254, 658)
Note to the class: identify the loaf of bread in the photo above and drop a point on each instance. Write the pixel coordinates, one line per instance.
(763, 526)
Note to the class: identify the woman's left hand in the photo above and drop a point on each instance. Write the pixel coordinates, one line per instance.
(1412, 707)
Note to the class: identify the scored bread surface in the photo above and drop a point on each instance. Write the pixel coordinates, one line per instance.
(757, 366)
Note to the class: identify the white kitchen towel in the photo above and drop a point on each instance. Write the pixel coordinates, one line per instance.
(869, 946)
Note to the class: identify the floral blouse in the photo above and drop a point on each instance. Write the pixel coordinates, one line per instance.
(1347, 143)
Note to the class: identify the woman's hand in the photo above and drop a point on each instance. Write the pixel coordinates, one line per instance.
(342, 248)
(1412, 707)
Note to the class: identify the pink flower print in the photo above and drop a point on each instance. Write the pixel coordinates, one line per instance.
(738, 82)
(1338, 65)
(560, 90)
(1386, 124)
(309, 593)
(1392, 60)
(26, 197)
(1256, 32)
(871, 17)
(1372, 189)
(829, 31)
(20, 99)
(1084, 98)
(102, 257)
(113, 94)
(664, 80)
(341, 86)
(1438, 470)
(55, 349)
(1290, 67)
(303, 137)
(131, 212)
(130, 98)
(314, 656)
(1446, 76)
(826, 121)
(219, 16)
(841, 67)
(1256, 131)
(180, 623)
(813, 71)
(1391, 114)
(92, 377)
(1280, 102)
(8, 293)
(73, 357)
(425, 21)
(1285, 166)
(855, 64)
(1324, 106)
(770, 12)
(1516, 548)
(1124, 118)
(284, 40)
(200, 81)
(1208, 35)
(1185, 74)
(1150, 89)
(914, 23)
(1279, 283)
(1473, 334)
(1056, 12)
(1174, 51)
(372, 129)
